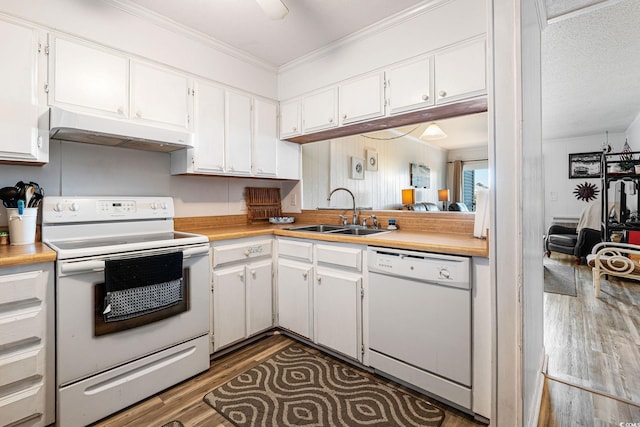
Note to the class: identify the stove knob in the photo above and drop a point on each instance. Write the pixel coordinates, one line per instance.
(75, 207)
(163, 205)
(154, 206)
(58, 207)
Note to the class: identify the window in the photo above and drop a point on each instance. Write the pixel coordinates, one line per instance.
(473, 173)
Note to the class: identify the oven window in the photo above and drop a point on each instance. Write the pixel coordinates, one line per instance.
(101, 327)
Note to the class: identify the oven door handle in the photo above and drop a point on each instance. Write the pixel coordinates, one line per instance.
(81, 266)
(199, 250)
(86, 266)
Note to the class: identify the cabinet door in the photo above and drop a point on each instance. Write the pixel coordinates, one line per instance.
(160, 97)
(238, 133)
(289, 118)
(320, 111)
(294, 296)
(20, 89)
(89, 78)
(337, 311)
(362, 99)
(461, 72)
(265, 138)
(409, 86)
(228, 306)
(259, 296)
(209, 128)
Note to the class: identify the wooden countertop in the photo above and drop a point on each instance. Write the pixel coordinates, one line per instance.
(25, 254)
(445, 243)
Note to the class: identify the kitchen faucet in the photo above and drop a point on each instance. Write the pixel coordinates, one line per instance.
(374, 221)
(354, 219)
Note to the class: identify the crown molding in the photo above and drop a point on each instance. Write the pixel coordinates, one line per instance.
(582, 11)
(378, 27)
(171, 25)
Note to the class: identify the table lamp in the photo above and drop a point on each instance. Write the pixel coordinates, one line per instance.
(443, 196)
(408, 196)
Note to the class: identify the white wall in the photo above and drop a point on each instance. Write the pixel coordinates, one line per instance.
(77, 169)
(633, 133)
(440, 23)
(559, 199)
(379, 189)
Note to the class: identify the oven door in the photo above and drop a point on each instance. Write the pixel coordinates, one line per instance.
(83, 351)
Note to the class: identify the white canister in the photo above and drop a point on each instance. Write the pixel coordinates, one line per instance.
(22, 228)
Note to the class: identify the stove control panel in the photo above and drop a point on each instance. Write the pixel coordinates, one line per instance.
(91, 209)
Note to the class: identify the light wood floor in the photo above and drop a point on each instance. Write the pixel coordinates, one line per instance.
(184, 403)
(593, 345)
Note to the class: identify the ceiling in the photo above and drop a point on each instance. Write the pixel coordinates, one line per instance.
(590, 48)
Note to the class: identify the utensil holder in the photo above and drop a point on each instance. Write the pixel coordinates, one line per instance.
(22, 228)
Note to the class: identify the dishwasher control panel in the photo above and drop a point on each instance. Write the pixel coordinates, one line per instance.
(421, 266)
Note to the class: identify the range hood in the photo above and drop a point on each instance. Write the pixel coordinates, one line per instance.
(73, 126)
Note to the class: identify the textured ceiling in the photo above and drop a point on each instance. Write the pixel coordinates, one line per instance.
(590, 71)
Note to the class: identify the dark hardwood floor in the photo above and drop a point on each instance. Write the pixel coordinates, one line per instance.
(593, 346)
(184, 403)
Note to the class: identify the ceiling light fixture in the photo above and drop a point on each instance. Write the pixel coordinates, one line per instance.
(274, 9)
(433, 132)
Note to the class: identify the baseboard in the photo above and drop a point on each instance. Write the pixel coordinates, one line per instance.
(535, 412)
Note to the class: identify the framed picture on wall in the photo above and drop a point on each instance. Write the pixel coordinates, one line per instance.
(420, 175)
(357, 168)
(372, 160)
(584, 165)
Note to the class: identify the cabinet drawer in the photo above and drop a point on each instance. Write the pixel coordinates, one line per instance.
(22, 405)
(225, 254)
(21, 288)
(22, 326)
(296, 250)
(22, 365)
(339, 256)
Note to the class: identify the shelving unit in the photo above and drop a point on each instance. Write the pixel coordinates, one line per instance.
(613, 171)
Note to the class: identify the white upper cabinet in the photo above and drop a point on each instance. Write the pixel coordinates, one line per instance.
(238, 133)
(265, 138)
(290, 118)
(160, 97)
(460, 72)
(22, 97)
(89, 79)
(410, 85)
(320, 110)
(362, 99)
(208, 152)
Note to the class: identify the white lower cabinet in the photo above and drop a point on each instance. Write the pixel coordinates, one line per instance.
(26, 336)
(320, 288)
(337, 310)
(242, 302)
(295, 296)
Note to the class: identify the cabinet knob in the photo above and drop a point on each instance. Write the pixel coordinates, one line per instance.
(241, 276)
(425, 97)
(330, 119)
(138, 113)
(443, 93)
(344, 116)
(305, 274)
(319, 280)
(231, 168)
(247, 253)
(294, 128)
(253, 273)
(39, 142)
(121, 111)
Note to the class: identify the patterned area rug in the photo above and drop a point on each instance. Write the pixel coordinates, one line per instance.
(297, 388)
(559, 279)
(173, 424)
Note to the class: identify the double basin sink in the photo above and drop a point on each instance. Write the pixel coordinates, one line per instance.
(350, 230)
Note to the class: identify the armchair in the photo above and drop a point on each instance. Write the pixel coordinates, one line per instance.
(568, 240)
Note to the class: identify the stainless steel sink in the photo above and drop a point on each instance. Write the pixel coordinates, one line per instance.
(360, 231)
(317, 228)
(338, 229)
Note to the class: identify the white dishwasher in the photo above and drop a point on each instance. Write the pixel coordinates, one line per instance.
(420, 321)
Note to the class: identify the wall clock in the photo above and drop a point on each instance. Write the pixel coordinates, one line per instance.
(372, 160)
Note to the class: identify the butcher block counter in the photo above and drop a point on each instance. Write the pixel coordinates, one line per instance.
(25, 254)
(446, 233)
